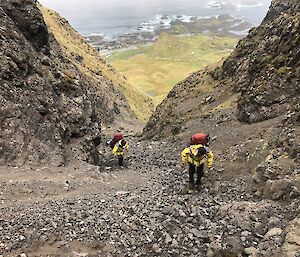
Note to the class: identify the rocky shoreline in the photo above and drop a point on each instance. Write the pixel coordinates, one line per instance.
(221, 25)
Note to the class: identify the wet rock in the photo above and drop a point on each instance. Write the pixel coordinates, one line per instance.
(24, 20)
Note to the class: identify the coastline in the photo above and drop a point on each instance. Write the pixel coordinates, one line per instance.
(180, 25)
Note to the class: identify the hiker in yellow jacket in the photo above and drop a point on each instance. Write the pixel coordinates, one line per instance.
(196, 156)
(118, 150)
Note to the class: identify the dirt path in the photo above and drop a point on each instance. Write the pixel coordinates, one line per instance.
(143, 209)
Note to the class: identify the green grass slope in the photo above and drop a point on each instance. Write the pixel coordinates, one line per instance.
(156, 68)
(92, 64)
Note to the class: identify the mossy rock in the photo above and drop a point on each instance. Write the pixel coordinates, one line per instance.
(283, 70)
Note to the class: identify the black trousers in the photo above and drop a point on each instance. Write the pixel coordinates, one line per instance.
(121, 160)
(200, 173)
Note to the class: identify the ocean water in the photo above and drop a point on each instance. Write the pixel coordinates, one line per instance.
(112, 18)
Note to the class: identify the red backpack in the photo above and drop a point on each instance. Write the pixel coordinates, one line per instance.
(202, 139)
(117, 137)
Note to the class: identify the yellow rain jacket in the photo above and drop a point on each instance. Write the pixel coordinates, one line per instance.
(118, 149)
(189, 155)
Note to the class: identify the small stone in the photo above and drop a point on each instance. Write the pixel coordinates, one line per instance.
(105, 176)
(124, 227)
(209, 99)
(251, 251)
(167, 210)
(46, 61)
(182, 214)
(168, 238)
(122, 193)
(156, 248)
(196, 233)
(210, 253)
(273, 232)
(274, 222)
(23, 255)
(258, 193)
(245, 233)
(77, 254)
(174, 244)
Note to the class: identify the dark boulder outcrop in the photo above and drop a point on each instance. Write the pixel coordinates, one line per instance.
(265, 66)
(28, 20)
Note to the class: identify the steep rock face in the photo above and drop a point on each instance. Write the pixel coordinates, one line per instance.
(50, 110)
(89, 62)
(28, 19)
(249, 104)
(265, 66)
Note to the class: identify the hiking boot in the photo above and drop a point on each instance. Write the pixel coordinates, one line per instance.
(121, 160)
(191, 186)
(199, 187)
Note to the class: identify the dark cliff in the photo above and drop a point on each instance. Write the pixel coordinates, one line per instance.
(50, 110)
(265, 66)
(28, 20)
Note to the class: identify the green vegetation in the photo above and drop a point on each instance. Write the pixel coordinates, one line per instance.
(155, 69)
(283, 70)
(88, 61)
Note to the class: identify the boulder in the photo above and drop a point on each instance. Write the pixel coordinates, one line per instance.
(291, 245)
